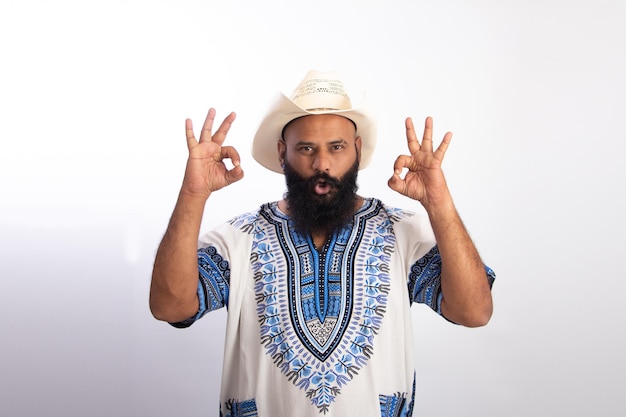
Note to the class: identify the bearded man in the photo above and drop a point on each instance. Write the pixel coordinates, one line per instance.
(318, 285)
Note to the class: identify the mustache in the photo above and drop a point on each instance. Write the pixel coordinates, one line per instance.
(311, 212)
(325, 177)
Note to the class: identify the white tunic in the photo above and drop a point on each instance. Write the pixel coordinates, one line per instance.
(311, 332)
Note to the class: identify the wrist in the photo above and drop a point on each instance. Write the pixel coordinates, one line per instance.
(194, 196)
(442, 206)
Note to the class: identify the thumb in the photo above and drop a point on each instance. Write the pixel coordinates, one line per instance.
(396, 183)
(234, 174)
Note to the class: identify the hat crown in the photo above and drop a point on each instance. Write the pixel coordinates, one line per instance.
(321, 91)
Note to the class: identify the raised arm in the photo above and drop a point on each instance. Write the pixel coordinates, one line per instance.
(173, 292)
(466, 291)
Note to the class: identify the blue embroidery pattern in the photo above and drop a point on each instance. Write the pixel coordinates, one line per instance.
(240, 409)
(397, 405)
(214, 277)
(425, 280)
(213, 285)
(310, 324)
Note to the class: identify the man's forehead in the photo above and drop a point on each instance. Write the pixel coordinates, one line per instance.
(316, 120)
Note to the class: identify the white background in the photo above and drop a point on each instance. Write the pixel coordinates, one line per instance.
(93, 98)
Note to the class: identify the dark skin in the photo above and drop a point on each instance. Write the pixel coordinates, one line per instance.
(318, 143)
(173, 294)
(467, 295)
(324, 143)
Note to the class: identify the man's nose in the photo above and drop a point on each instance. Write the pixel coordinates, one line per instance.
(322, 162)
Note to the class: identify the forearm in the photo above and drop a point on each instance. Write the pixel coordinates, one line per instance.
(173, 293)
(466, 292)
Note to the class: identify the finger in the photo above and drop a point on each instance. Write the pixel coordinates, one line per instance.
(403, 161)
(443, 147)
(222, 131)
(207, 126)
(234, 175)
(191, 139)
(396, 183)
(228, 152)
(411, 137)
(427, 139)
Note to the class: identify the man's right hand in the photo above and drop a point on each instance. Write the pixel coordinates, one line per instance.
(173, 292)
(206, 171)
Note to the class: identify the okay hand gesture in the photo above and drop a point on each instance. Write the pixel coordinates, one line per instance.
(206, 171)
(424, 180)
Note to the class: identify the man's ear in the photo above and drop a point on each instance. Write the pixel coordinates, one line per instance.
(282, 148)
(357, 145)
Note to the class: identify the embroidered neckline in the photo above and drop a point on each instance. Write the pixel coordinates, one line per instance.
(318, 318)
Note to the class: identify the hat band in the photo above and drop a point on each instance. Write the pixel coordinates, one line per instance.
(324, 109)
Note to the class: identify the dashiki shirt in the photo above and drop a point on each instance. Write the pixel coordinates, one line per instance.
(319, 333)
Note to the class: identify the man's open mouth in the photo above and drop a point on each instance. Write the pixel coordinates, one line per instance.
(322, 187)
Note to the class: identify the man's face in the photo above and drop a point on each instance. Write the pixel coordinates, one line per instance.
(321, 158)
(320, 143)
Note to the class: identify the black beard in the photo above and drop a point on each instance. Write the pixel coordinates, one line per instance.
(311, 212)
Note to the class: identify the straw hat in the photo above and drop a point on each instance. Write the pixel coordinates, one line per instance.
(318, 93)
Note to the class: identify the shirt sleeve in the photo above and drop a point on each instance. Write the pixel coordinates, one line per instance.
(213, 284)
(425, 280)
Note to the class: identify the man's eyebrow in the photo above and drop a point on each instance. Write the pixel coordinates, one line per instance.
(332, 142)
(339, 141)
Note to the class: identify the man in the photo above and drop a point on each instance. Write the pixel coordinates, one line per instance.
(319, 284)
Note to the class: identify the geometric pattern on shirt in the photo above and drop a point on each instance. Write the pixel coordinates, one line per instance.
(214, 277)
(425, 280)
(239, 409)
(213, 285)
(397, 405)
(320, 312)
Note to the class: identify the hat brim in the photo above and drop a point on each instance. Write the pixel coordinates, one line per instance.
(283, 111)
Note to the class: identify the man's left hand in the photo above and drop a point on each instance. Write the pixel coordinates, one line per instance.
(424, 180)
